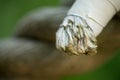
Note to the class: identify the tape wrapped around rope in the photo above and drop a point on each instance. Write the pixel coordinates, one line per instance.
(76, 37)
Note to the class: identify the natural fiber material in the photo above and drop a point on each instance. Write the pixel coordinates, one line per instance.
(76, 37)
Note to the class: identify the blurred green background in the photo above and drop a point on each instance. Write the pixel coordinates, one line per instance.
(12, 10)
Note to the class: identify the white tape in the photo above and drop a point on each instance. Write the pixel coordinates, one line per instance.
(116, 4)
(85, 21)
(97, 13)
